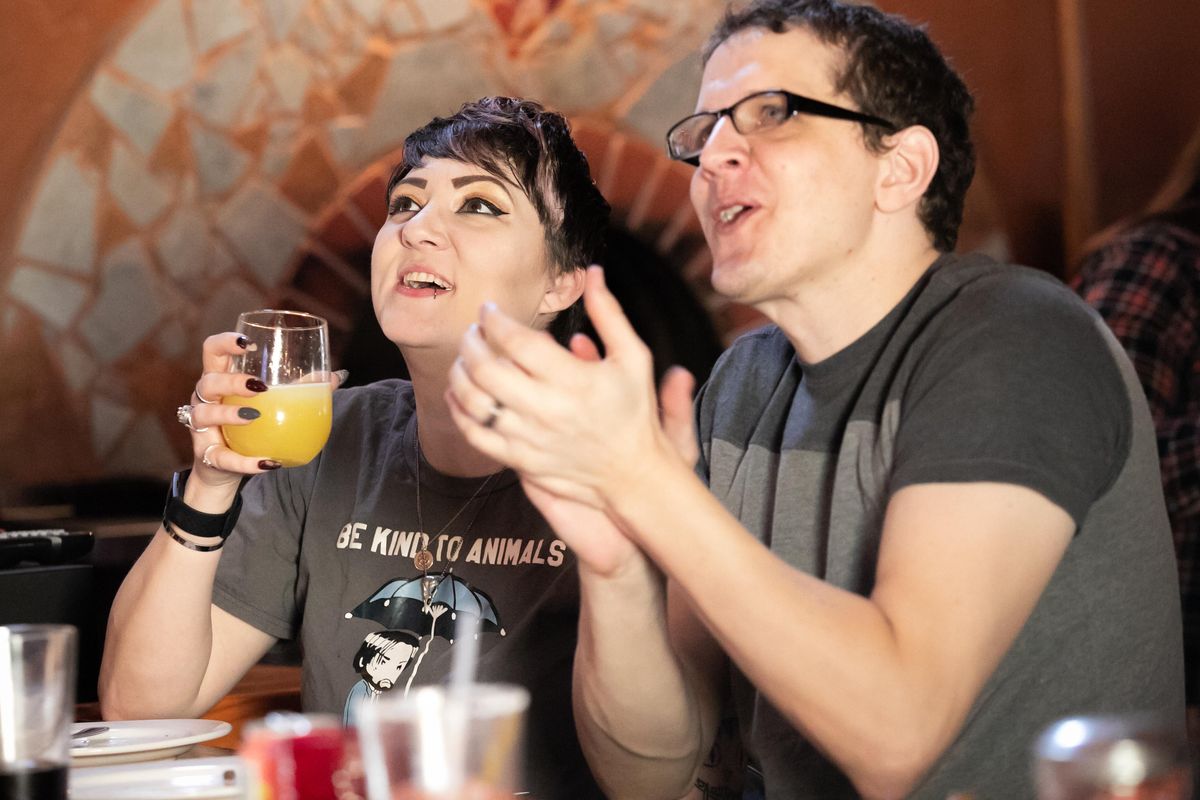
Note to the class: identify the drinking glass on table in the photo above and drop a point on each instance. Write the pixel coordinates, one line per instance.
(444, 744)
(300, 756)
(37, 705)
(1113, 757)
(289, 352)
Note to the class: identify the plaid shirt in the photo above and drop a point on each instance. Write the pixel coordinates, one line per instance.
(1145, 282)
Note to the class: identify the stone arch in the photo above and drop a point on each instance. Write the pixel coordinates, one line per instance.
(198, 162)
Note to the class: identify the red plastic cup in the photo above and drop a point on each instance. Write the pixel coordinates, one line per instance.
(302, 757)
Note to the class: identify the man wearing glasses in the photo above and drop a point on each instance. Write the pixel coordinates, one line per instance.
(934, 523)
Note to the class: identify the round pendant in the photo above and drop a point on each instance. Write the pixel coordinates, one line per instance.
(423, 560)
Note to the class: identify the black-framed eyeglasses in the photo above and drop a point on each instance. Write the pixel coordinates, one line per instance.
(760, 111)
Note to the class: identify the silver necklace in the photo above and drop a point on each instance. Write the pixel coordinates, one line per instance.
(423, 560)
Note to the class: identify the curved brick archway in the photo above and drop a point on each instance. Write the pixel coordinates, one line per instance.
(193, 175)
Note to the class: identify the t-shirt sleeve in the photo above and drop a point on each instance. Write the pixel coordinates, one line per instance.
(1019, 385)
(257, 580)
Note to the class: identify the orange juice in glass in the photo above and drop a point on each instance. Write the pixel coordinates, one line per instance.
(289, 352)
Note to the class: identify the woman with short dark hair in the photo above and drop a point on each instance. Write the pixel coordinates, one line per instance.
(399, 530)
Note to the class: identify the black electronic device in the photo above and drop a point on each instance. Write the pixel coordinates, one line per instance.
(44, 546)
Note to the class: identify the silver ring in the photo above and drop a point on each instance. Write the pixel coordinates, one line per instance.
(200, 397)
(493, 414)
(184, 415)
(204, 456)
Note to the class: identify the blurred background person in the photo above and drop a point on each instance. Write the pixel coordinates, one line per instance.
(1143, 276)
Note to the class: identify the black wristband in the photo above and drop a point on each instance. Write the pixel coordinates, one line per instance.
(197, 523)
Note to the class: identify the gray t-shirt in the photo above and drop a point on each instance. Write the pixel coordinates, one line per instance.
(324, 553)
(984, 372)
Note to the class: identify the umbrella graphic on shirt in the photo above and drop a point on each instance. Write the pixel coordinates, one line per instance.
(429, 605)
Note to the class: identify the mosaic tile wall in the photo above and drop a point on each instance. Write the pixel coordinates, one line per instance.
(227, 153)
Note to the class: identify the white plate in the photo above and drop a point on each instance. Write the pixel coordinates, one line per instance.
(196, 779)
(141, 740)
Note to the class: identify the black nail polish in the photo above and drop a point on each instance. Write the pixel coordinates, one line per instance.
(266, 464)
(242, 341)
(245, 412)
(255, 385)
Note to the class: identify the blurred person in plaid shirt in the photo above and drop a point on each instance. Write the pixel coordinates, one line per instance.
(1143, 276)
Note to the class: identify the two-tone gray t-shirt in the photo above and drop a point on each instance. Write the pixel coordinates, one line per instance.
(984, 372)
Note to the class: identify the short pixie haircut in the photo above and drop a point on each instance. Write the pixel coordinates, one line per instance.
(520, 141)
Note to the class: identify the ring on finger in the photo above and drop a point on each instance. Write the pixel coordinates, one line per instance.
(493, 414)
(200, 397)
(184, 415)
(204, 456)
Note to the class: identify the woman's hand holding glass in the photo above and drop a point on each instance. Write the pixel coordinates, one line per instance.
(265, 398)
(215, 463)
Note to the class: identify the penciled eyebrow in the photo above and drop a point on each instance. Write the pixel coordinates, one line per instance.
(463, 180)
(457, 183)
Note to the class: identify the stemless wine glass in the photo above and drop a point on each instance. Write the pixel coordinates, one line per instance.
(289, 352)
(440, 743)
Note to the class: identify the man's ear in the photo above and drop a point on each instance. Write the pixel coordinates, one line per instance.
(906, 168)
(562, 292)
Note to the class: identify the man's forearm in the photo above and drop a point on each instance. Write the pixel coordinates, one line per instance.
(823, 663)
(641, 717)
(881, 683)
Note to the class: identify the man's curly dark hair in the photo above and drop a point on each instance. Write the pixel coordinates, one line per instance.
(892, 70)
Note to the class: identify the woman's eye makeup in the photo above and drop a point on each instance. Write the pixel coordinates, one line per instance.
(402, 203)
(477, 205)
(406, 204)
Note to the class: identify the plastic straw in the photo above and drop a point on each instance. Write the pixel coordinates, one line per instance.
(465, 654)
(464, 660)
